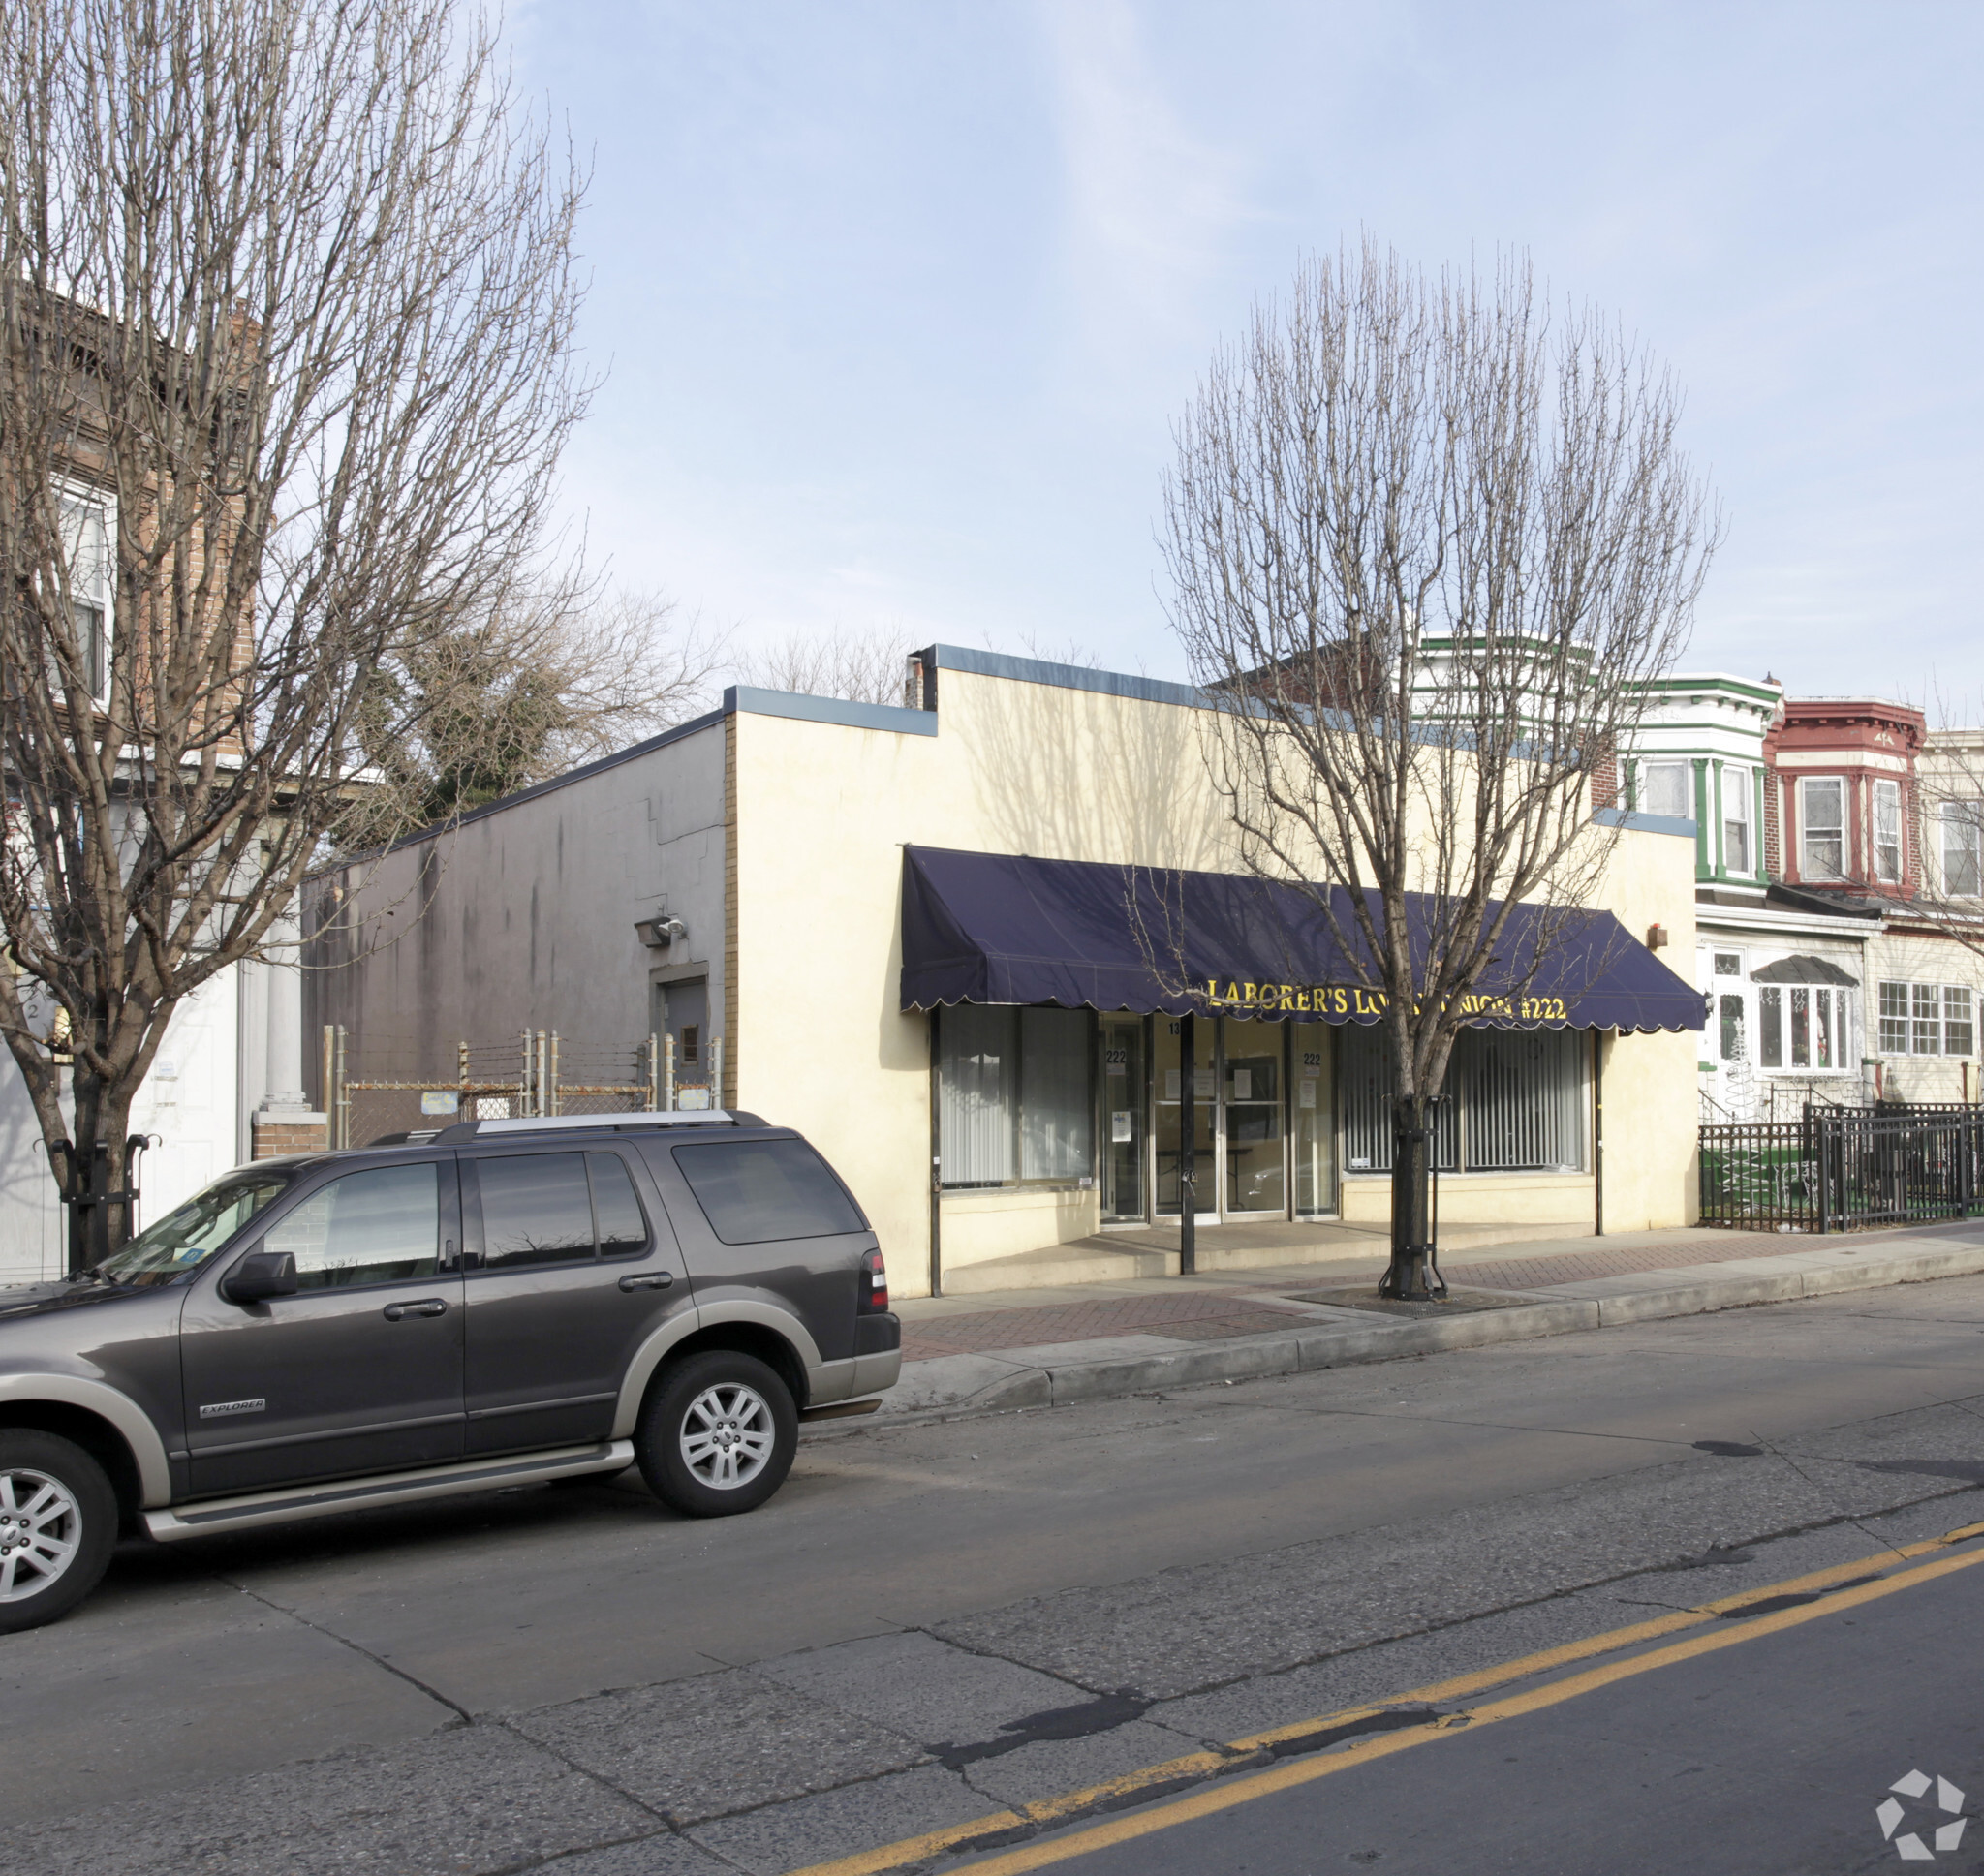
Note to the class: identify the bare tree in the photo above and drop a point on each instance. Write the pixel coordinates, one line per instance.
(1426, 550)
(286, 311)
(861, 667)
(553, 676)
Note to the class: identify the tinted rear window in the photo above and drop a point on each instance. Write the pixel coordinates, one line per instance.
(752, 1192)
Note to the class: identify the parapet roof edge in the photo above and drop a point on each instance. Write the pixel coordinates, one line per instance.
(1719, 680)
(1068, 677)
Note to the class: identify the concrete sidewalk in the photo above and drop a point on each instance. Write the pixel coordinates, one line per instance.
(1011, 1349)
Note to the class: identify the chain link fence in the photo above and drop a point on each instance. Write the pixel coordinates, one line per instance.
(534, 1076)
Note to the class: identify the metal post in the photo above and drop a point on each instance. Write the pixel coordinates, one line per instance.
(669, 1073)
(461, 1074)
(342, 1119)
(936, 1166)
(526, 1087)
(1825, 1163)
(716, 1071)
(1597, 1136)
(327, 1091)
(654, 1073)
(552, 1080)
(1188, 1148)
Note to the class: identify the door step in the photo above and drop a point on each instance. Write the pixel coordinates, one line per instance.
(212, 1516)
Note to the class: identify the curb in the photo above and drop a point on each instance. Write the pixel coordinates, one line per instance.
(985, 1382)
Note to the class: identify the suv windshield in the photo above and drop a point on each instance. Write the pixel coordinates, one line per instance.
(184, 1239)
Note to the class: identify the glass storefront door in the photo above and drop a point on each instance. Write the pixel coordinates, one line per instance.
(1311, 1122)
(1122, 1123)
(1251, 1085)
(1167, 1107)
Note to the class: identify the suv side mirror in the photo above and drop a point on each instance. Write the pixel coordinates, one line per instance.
(261, 1275)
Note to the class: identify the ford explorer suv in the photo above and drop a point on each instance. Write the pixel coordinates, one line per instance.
(494, 1303)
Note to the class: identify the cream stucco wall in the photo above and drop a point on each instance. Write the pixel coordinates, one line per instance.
(821, 813)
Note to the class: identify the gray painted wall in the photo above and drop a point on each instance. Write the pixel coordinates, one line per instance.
(522, 917)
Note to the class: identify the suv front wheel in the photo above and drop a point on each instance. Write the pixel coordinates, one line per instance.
(58, 1524)
(718, 1434)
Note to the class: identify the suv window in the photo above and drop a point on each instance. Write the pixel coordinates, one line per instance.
(185, 1238)
(752, 1192)
(616, 1208)
(557, 1208)
(369, 1227)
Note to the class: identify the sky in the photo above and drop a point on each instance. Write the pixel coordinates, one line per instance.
(897, 302)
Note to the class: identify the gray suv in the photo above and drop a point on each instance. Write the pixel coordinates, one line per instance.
(494, 1303)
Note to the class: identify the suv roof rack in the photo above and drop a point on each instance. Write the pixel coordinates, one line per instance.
(698, 1117)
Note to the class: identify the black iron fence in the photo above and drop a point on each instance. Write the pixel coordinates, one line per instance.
(1842, 1169)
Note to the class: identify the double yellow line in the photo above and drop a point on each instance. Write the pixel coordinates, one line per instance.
(1863, 1580)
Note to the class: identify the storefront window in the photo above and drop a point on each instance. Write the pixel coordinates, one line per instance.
(1515, 1102)
(1014, 1098)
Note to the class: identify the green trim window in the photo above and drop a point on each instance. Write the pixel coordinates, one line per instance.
(1666, 788)
(1739, 849)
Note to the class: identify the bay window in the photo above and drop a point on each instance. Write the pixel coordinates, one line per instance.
(1667, 788)
(85, 523)
(1963, 849)
(1736, 845)
(1822, 827)
(1887, 832)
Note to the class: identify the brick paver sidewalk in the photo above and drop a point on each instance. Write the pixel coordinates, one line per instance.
(1201, 1315)
(1194, 1316)
(1580, 1266)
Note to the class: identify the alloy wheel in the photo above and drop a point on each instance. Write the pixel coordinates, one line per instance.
(41, 1531)
(728, 1436)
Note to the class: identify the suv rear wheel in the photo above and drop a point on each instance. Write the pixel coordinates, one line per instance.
(718, 1434)
(58, 1524)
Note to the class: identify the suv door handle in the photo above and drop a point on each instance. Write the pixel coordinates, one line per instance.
(431, 1305)
(647, 1281)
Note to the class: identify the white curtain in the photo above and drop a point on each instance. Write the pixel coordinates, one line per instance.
(977, 1082)
(1056, 1114)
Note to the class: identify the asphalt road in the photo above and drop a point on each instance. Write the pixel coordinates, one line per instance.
(1813, 1751)
(948, 1636)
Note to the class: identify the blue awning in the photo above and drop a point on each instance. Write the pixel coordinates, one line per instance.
(1002, 927)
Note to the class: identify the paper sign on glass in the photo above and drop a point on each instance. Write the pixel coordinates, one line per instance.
(1242, 1085)
(1170, 1084)
(1202, 1084)
(1119, 1125)
(1306, 1096)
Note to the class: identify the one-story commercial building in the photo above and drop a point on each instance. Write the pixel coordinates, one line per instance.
(953, 942)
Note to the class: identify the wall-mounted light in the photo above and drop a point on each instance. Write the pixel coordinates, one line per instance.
(1656, 937)
(659, 932)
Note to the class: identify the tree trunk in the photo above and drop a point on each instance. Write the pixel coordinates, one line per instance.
(93, 1169)
(1414, 1273)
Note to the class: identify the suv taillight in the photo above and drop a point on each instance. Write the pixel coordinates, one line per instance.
(874, 1293)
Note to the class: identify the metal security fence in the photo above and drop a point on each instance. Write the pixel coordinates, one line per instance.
(1844, 1169)
(532, 1077)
